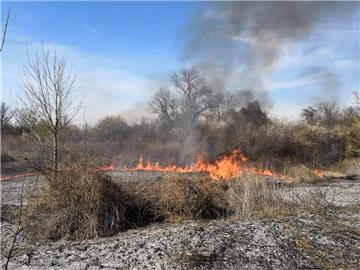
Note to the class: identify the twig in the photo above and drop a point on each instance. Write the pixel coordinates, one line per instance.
(19, 228)
(6, 25)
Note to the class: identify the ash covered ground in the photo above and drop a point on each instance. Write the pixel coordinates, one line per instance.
(327, 239)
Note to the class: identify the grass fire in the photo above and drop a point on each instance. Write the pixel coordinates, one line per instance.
(227, 167)
(183, 135)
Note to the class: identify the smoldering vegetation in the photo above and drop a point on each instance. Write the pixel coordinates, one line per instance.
(195, 113)
(82, 203)
(78, 201)
(192, 118)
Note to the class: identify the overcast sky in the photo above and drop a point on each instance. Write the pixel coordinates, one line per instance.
(123, 52)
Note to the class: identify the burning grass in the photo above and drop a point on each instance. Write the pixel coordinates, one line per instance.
(303, 173)
(225, 167)
(82, 202)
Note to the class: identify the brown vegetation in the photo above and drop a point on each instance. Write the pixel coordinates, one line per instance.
(252, 196)
(187, 198)
(80, 202)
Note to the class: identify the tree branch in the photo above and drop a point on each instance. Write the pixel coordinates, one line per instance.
(5, 28)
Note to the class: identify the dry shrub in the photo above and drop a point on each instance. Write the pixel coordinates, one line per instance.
(253, 196)
(187, 198)
(145, 196)
(81, 202)
(301, 173)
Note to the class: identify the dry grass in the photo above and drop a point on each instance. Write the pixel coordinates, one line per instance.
(188, 198)
(253, 196)
(81, 203)
(350, 167)
(246, 197)
(301, 173)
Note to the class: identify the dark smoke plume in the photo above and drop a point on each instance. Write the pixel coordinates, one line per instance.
(240, 42)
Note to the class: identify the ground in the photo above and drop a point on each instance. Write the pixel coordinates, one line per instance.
(326, 237)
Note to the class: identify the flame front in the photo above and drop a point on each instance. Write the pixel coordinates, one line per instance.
(226, 167)
(105, 168)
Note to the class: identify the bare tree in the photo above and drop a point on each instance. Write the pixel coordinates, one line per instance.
(310, 115)
(165, 105)
(186, 101)
(6, 115)
(5, 29)
(224, 103)
(357, 99)
(325, 113)
(329, 113)
(48, 89)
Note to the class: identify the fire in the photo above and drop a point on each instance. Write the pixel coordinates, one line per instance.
(21, 175)
(106, 168)
(226, 167)
(319, 172)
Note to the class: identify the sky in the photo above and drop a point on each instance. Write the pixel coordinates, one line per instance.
(122, 52)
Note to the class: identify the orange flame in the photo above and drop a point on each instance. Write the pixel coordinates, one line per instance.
(13, 177)
(319, 172)
(110, 167)
(226, 167)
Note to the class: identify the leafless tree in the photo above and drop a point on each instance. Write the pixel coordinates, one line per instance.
(48, 94)
(6, 115)
(224, 104)
(165, 105)
(357, 99)
(5, 29)
(310, 115)
(325, 113)
(329, 113)
(186, 101)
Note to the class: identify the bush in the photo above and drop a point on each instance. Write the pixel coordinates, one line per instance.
(189, 198)
(81, 202)
(253, 196)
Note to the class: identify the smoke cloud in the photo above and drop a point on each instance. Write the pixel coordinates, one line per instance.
(238, 44)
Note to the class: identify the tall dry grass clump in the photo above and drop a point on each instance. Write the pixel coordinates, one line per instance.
(350, 167)
(80, 202)
(253, 196)
(247, 196)
(190, 198)
(302, 173)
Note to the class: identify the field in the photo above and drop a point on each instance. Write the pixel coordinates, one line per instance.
(180, 135)
(323, 235)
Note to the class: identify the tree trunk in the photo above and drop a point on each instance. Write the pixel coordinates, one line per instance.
(55, 150)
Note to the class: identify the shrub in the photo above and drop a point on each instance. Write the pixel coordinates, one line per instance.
(81, 202)
(187, 198)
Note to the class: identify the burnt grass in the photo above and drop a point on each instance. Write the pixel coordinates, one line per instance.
(322, 232)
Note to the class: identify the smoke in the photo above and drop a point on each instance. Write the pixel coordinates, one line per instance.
(329, 83)
(238, 44)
